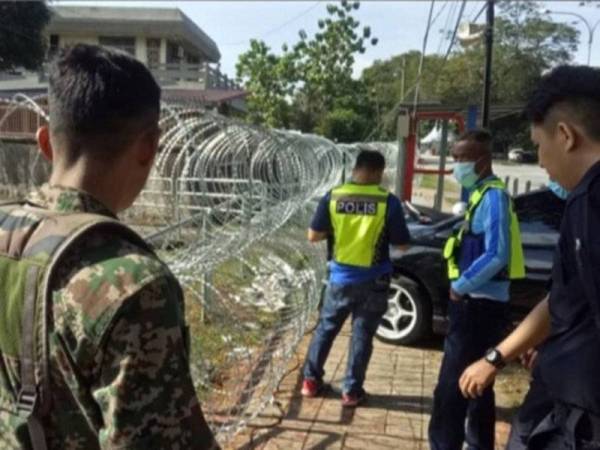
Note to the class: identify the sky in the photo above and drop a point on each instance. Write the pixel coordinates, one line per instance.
(399, 25)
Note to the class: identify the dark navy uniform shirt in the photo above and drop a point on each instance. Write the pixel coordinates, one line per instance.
(570, 359)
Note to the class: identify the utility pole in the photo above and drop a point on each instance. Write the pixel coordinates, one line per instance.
(402, 82)
(487, 77)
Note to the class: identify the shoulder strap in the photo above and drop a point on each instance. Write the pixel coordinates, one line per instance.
(478, 194)
(33, 400)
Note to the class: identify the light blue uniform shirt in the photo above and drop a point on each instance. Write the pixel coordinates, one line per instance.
(492, 219)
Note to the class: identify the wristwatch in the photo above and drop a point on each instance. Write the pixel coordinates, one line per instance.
(495, 358)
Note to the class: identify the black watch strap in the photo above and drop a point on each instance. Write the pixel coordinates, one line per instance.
(495, 358)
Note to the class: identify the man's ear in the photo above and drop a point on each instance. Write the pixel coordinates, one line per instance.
(567, 136)
(43, 139)
(147, 146)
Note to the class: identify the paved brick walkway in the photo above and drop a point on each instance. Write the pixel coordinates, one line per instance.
(400, 383)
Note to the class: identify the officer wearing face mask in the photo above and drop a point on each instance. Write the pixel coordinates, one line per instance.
(482, 256)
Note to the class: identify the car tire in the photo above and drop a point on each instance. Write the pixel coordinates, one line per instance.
(408, 318)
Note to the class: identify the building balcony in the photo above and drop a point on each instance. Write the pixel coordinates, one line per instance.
(193, 76)
(171, 75)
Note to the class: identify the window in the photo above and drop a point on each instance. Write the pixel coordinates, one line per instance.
(174, 53)
(124, 43)
(539, 212)
(191, 58)
(153, 52)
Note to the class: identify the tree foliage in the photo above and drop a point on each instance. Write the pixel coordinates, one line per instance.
(309, 85)
(21, 40)
(303, 86)
(270, 79)
(526, 43)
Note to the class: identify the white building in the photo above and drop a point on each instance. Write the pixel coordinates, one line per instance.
(182, 57)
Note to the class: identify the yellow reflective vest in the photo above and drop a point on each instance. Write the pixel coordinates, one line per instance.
(358, 215)
(516, 264)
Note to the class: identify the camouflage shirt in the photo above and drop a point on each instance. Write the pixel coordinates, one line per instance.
(119, 364)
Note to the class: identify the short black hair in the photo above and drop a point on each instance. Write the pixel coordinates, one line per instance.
(99, 99)
(370, 160)
(573, 89)
(479, 135)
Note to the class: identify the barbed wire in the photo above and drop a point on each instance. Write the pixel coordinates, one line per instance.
(226, 206)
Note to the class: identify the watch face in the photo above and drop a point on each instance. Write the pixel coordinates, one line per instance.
(494, 357)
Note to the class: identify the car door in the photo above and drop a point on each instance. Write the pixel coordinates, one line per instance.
(540, 214)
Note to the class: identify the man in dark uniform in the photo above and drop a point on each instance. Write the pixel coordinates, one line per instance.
(565, 112)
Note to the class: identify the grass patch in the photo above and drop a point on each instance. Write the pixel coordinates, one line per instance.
(430, 181)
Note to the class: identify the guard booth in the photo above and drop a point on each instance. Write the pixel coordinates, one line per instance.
(407, 164)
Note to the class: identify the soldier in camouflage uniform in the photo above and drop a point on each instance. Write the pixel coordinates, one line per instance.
(117, 344)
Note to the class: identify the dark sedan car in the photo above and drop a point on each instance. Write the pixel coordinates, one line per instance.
(419, 294)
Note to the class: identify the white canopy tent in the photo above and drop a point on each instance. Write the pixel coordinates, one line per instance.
(435, 136)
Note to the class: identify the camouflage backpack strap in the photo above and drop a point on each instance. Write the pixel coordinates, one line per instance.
(56, 235)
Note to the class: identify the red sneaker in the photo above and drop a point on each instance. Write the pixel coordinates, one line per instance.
(311, 388)
(352, 400)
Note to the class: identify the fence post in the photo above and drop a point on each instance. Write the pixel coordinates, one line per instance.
(515, 186)
(528, 186)
(439, 197)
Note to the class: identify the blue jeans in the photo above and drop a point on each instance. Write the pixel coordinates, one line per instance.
(475, 326)
(367, 302)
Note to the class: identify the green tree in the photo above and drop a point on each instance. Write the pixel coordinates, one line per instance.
(312, 78)
(326, 60)
(21, 40)
(526, 43)
(270, 80)
(393, 81)
(343, 125)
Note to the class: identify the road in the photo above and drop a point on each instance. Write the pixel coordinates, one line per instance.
(523, 172)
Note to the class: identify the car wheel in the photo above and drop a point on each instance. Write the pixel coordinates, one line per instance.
(408, 317)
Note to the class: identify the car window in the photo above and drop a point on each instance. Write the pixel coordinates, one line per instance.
(540, 214)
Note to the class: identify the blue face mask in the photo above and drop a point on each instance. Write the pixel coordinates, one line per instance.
(558, 190)
(465, 174)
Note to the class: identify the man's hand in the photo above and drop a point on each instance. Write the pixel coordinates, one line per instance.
(476, 378)
(529, 358)
(455, 296)
(316, 236)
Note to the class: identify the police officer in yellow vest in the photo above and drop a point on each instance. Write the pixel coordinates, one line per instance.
(482, 257)
(360, 220)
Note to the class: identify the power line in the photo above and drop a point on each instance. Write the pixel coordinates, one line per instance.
(471, 13)
(415, 86)
(278, 28)
(453, 39)
(440, 11)
(444, 31)
(479, 13)
(422, 59)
